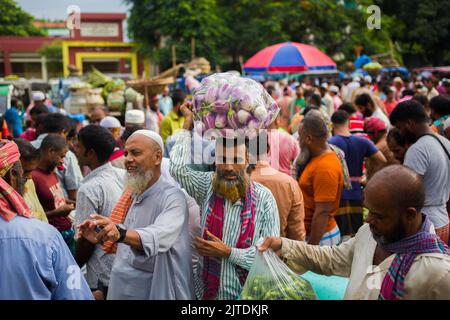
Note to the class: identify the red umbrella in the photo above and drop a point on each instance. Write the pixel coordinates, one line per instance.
(289, 57)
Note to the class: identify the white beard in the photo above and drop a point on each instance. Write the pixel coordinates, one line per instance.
(304, 156)
(138, 182)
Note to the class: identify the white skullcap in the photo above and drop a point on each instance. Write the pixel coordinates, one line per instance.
(110, 122)
(324, 85)
(334, 89)
(368, 79)
(357, 79)
(447, 124)
(38, 96)
(134, 117)
(152, 135)
(398, 79)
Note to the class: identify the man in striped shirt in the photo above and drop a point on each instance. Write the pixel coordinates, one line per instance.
(235, 213)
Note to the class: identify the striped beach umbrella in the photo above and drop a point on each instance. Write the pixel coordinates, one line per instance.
(290, 57)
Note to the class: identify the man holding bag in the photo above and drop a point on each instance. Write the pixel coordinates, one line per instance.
(395, 256)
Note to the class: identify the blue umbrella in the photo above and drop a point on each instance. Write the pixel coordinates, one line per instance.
(361, 61)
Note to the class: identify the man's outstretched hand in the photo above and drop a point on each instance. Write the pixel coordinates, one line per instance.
(186, 110)
(273, 243)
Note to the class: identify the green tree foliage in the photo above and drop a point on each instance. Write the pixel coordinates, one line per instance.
(422, 29)
(252, 25)
(53, 53)
(334, 27)
(158, 24)
(226, 30)
(16, 22)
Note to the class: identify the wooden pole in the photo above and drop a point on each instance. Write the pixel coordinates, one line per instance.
(174, 56)
(192, 48)
(146, 97)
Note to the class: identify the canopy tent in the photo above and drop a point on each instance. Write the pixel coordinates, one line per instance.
(290, 57)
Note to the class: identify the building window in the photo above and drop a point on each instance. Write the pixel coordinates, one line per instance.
(26, 64)
(27, 70)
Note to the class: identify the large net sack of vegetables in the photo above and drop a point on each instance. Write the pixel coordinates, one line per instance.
(233, 105)
(271, 279)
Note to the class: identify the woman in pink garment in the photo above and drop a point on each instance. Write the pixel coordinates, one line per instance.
(284, 148)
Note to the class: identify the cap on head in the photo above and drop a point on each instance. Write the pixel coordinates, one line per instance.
(334, 89)
(398, 80)
(134, 117)
(151, 135)
(373, 124)
(38, 96)
(110, 122)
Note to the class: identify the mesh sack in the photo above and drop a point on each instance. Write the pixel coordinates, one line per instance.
(230, 103)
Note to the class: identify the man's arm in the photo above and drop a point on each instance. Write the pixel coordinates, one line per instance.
(379, 158)
(156, 238)
(320, 221)
(196, 183)
(301, 257)
(326, 260)
(62, 211)
(85, 206)
(84, 251)
(72, 194)
(326, 188)
(296, 218)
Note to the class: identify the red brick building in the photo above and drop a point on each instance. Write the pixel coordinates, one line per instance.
(99, 42)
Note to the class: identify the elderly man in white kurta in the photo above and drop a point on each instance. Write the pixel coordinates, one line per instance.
(153, 259)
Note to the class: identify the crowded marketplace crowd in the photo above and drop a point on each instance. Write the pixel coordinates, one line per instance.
(349, 178)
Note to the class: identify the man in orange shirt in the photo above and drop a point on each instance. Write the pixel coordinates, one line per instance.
(321, 181)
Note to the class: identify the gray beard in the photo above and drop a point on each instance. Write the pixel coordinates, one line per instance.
(301, 162)
(138, 182)
(304, 156)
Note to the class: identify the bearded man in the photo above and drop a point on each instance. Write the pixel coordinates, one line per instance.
(429, 156)
(322, 174)
(234, 212)
(148, 229)
(395, 256)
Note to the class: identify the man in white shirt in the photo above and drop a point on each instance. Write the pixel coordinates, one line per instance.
(327, 100)
(368, 108)
(396, 255)
(432, 92)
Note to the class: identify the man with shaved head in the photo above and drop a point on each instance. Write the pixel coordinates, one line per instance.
(148, 229)
(395, 255)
